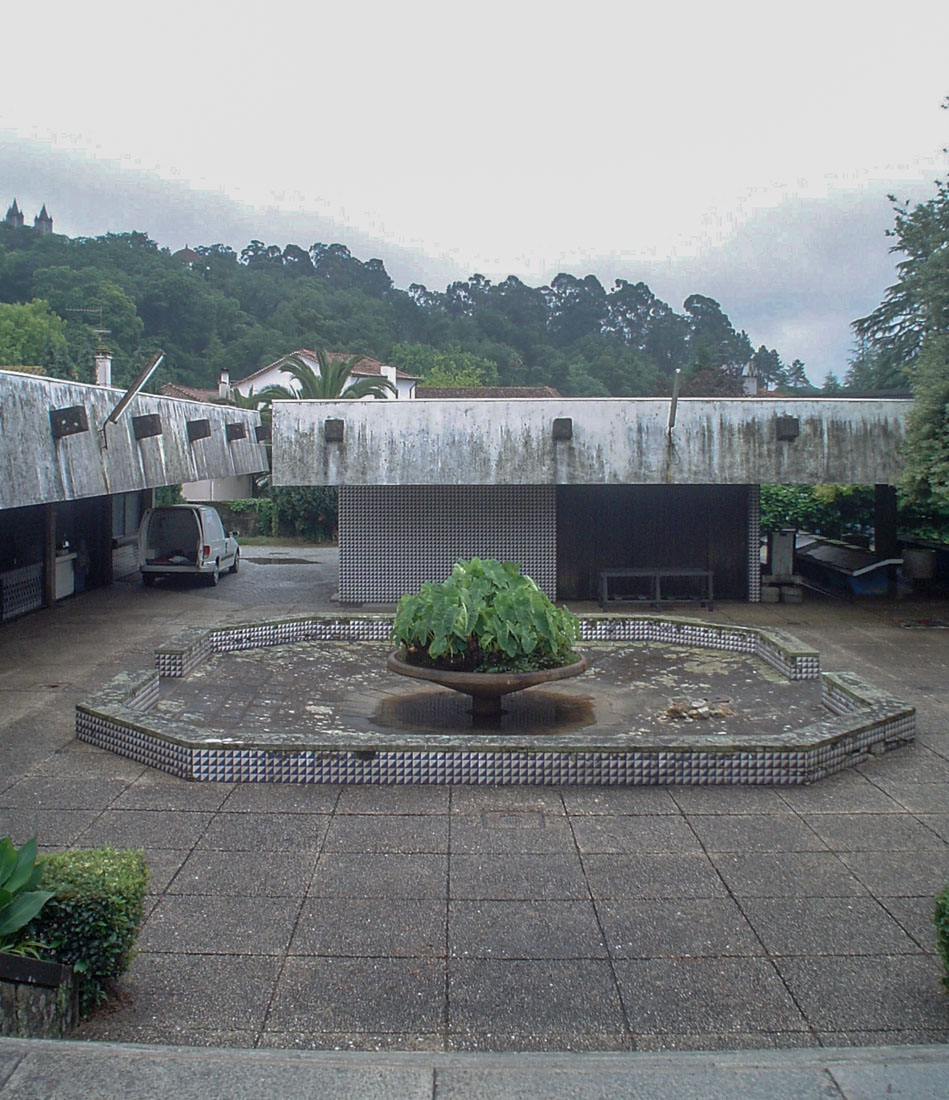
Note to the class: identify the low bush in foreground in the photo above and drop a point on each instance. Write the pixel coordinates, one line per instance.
(94, 916)
(941, 918)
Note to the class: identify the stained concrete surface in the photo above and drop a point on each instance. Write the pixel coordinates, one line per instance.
(496, 919)
(310, 693)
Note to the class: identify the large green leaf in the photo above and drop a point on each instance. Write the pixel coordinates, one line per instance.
(7, 858)
(22, 910)
(25, 870)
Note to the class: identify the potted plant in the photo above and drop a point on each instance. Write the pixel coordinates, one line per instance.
(38, 996)
(487, 630)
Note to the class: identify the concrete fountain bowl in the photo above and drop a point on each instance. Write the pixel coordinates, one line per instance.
(485, 688)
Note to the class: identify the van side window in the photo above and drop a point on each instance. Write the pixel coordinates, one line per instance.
(212, 524)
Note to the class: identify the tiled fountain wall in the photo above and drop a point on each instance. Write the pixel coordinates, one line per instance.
(862, 720)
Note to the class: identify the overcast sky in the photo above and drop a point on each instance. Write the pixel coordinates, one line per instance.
(742, 150)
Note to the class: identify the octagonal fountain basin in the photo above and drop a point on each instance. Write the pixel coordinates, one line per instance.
(664, 701)
(485, 688)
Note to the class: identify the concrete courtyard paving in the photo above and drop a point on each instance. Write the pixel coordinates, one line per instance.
(496, 919)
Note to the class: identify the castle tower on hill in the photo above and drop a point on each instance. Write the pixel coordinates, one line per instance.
(42, 223)
(14, 217)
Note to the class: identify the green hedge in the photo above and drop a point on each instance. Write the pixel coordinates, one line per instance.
(300, 511)
(92, 921)
(941, 918)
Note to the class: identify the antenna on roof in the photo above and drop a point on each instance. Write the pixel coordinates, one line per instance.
(99, 330)
(140, 379)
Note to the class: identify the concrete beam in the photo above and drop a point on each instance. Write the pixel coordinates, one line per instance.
(40, 468)
(613, 442)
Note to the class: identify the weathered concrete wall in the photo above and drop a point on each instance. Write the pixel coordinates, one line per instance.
(35, 468)
(614, 442)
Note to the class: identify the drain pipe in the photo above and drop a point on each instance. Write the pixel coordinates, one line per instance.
(677, 378)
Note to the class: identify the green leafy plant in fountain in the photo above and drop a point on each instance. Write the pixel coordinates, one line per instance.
(20, 900)
(93, 920)
(941, 919)
(486, 617)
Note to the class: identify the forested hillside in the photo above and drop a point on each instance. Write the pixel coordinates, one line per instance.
(210, 307)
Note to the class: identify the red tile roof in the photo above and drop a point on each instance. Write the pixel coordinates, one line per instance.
(188, 393)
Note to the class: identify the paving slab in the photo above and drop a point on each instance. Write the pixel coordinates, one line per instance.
(787, 874)
(621, 834)
(209, 925)
(145, 829)
(877, 992)
(525, 930)
(826, 926)
(679, 928)
(387, 833)
(263, 832)
(359, 995)
(653, 875)
(518, 875)
(361, 928)
(380, 875)
(665, 996)
(247, 875)
(515, 999)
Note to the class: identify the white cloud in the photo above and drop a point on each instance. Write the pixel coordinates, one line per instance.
(507, 137)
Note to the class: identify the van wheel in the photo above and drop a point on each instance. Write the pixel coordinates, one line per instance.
(213, 576)
(148, 579)
(237, 563)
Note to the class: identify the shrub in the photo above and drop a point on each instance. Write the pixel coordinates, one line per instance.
(302, 511)
(167, 495)
(306, 510)
(941, 918)
(486, 617)
(93, 919)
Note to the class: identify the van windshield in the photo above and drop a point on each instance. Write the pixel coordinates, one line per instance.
(172, 537)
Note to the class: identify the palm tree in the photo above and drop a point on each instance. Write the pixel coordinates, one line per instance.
(330, 383)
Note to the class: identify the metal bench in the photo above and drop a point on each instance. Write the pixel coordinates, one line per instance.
(655, 577)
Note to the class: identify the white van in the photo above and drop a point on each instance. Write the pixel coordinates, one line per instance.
(185, 538)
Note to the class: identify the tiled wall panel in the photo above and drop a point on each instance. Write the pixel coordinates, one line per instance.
(754, 544)
(393, 538)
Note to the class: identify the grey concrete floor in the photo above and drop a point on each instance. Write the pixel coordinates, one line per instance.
(492, 919)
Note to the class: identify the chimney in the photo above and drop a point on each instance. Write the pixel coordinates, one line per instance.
(103, 362)
(224, 384)
(749, 380)
(390, 373)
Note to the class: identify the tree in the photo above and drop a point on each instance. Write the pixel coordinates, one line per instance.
(926, 477)
(909, 330)
(771, 371)
(448, 367)
(32, 336)
(796, 376)
(917, 305)
(832, 383)
(332, 381)
(713, 339)
(869, 370)
(577, 307)
(714, 381)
